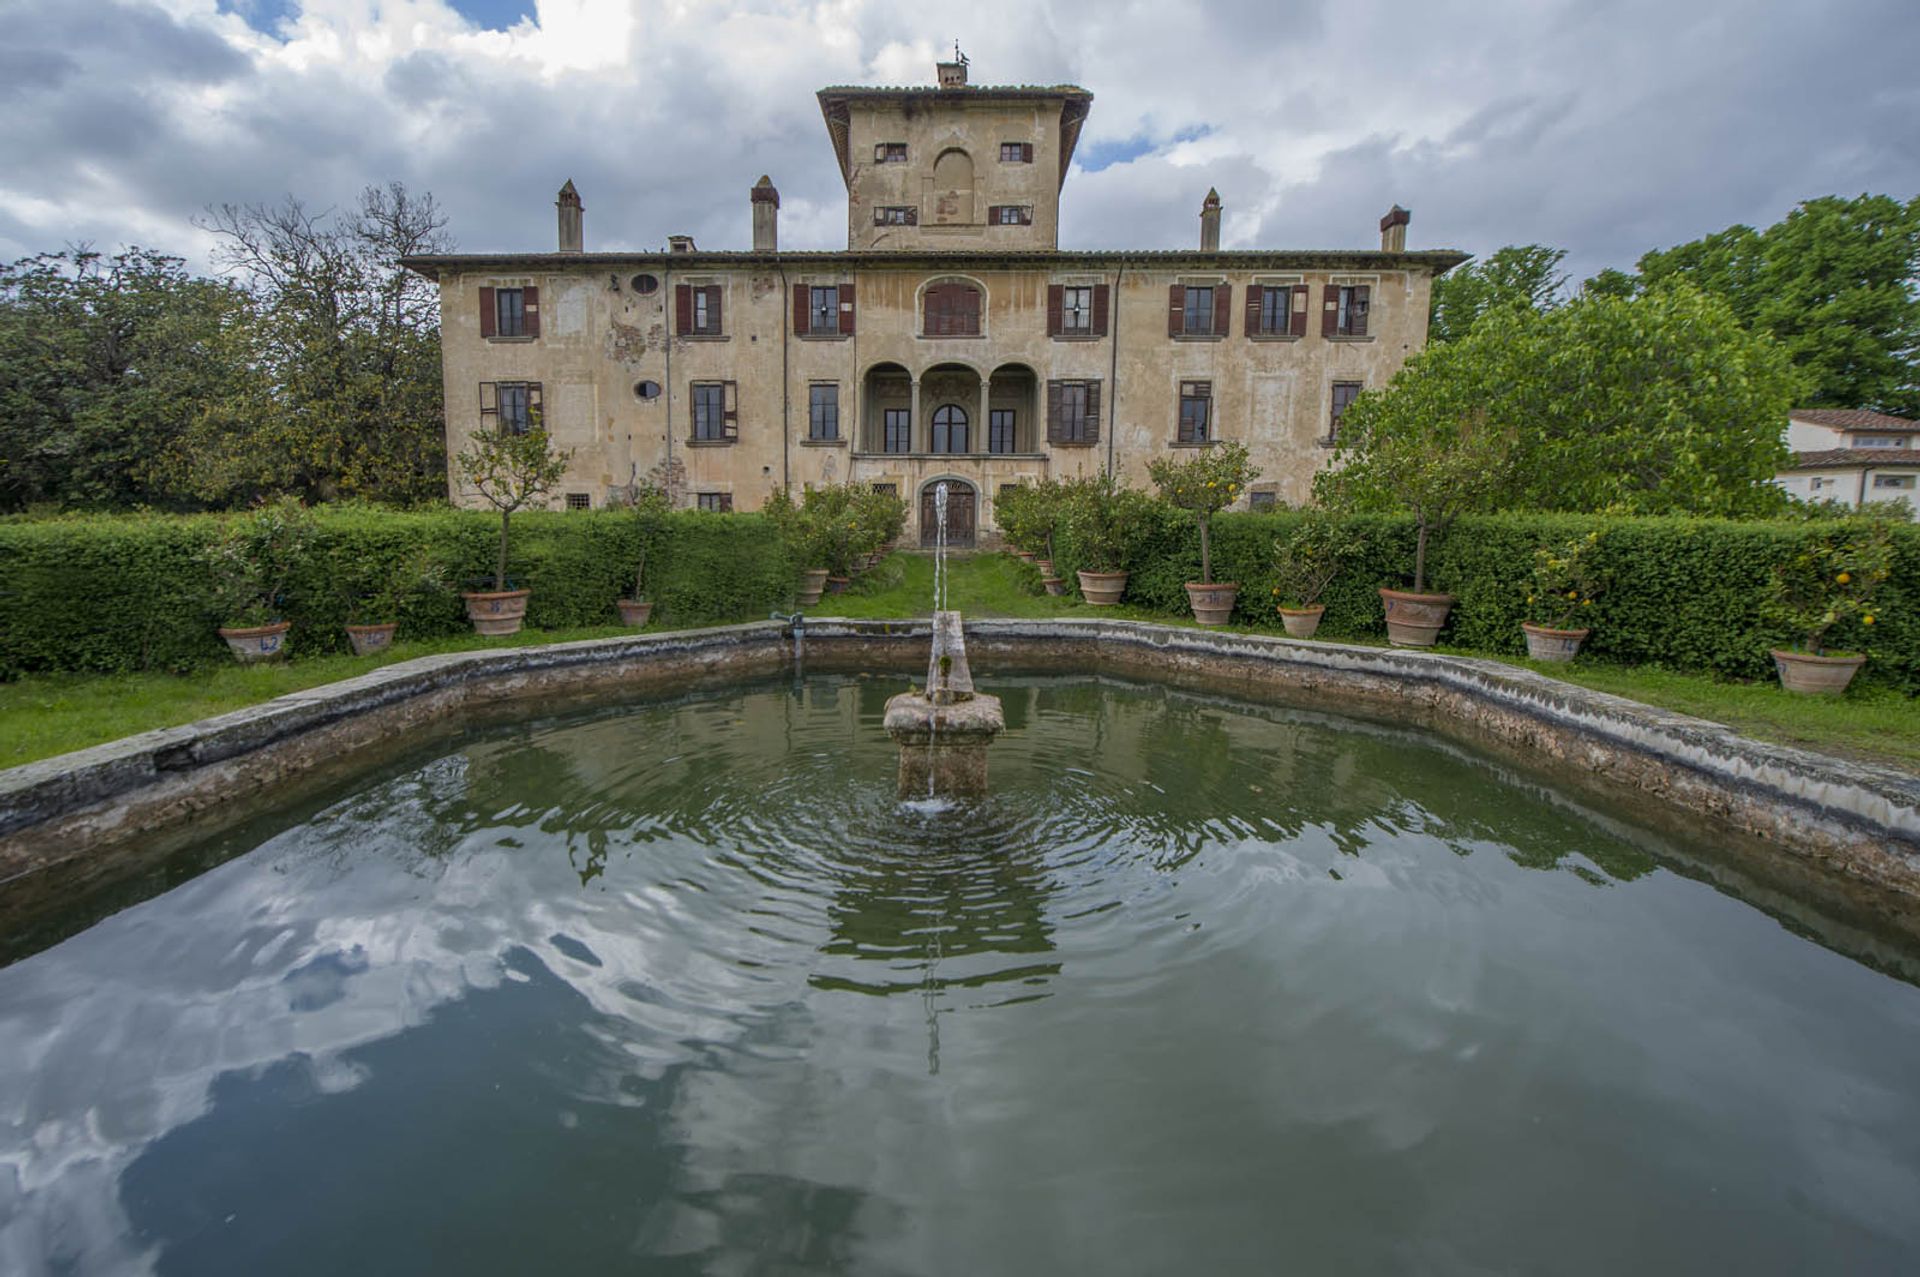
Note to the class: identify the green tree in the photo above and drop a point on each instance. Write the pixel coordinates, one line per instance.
(1526, 275)
(511, 471)
(1837, 282)
(105, 364)
(1659, 404)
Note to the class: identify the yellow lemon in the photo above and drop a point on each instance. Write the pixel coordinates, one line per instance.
(1844, 577)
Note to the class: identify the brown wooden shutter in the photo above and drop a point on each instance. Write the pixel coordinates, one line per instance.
(1092, 434)
(490, 400)
(1361, 298)
(1026, 152)
(1256, 297)
(1056, 295)
(530, 306)
(1330, 310)
(993, 214)
(1054, 425)
(1176, 309)
(682, 309)
(730, 410)
(717, 324)
(846, 310)
(802, 309)
(970, 309)
(489, 314)
(1297, 310)
(1100, 310)
(536, 416)
(1222, 309)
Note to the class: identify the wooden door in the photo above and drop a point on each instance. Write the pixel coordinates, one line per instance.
(960, 515)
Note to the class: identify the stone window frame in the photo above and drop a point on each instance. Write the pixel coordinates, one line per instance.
(835, 439)
(920, 308)
(1213, 283)
(1302, 303)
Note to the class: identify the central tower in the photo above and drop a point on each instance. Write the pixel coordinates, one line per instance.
(954, 167)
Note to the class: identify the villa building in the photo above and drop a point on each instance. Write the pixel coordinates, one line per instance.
(951, 340)
(1852, 456)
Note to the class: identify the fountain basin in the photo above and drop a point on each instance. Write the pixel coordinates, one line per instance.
(943, 748)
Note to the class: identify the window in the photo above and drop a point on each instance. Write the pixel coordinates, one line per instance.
(889, 152)
(1345, 314)
(887, 489)
(1076, 310)
(823, 310)
(1196, 411)
(509, 314)
(1198, 318)
(1814, 485)
(716, 502)
(1344, 393)
(646, 390)
(511, 407)
(1073, 412)
(896, 215)
(697, 310)
(579, 501)
(715, 418)
(645, 284)
(1010, 215)
(1000, 430)
(897, 427)
(1016, 152)
(950, 428)
(951, 310)
(823, 411)
(1271, 311)
(1893, 481)
(1879, 441)
(1261, 501)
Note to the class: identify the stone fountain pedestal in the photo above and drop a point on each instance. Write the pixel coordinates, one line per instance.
(943, 732)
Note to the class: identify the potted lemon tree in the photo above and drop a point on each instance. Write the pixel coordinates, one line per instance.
(510, 470)
(1106, 520)
(649, 504)
(1560, 595)
(1827, 584)
(1306, 559)
(1203, 485)
(249, 564)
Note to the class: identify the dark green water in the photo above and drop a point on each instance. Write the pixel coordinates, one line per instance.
(1201, 988)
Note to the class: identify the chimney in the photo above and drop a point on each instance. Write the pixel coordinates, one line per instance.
(572, 228)
(680, 244)
(953, 74)
(1210, 223)
(766, 216)
(1393, 230)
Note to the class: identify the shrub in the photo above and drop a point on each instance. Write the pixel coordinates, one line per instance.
(1308, 555)
(1565, 583)
(250, 562)
(1827, 582)
(1204, 485)
(511, 471)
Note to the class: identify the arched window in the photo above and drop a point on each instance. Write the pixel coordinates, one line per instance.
(950, 310)
(950, 428)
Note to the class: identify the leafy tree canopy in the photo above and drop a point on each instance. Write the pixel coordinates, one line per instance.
(1520, 274)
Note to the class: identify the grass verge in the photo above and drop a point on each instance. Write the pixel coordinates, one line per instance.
(52, 714)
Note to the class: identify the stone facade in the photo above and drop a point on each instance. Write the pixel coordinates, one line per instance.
(951, 340)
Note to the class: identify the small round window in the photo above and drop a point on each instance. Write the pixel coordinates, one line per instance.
(646, 390)
(644, 284)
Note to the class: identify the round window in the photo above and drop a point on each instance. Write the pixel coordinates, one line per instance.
(646, 390)
(644, 284)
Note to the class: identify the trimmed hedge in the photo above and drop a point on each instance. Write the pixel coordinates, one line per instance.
(129, 593)
(1684, 593)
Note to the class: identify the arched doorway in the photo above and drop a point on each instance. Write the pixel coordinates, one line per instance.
(962, 513)
(950, 428)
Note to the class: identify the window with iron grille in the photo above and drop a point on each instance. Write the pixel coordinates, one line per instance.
(823, 309)
(1262, 501)
(1076, 310)
(887, 489)
(823, 411)
(897, 430)
(1196, 411)
(716, 502)
(1000, 430)
(579, 501)
(1198, 317)
(889, 152)
(950, 428)
(1344, 393)
(1276, 311)
(709, 410)
(509, 312)
(896, 215)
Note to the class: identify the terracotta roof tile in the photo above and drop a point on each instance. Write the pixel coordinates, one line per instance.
(1847, 458)
(1852, 419)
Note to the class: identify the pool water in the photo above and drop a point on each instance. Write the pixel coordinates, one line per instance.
(1201, 986)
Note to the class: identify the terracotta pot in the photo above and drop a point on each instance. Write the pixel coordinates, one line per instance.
(1102, 589)
(496, 612)
(634, 612)
(368, 639)
(838, 584)
(1212, 603)
(1025, 556)
(1301, 622)
(1414, 620)
(812, 582)
(1045, 566)
(1544, 644)
(1055, 586)
(1810, 674)
(255, 643)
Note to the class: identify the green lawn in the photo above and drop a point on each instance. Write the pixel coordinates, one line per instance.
(51, 714)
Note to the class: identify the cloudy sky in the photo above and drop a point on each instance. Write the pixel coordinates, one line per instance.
(1603, 126)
